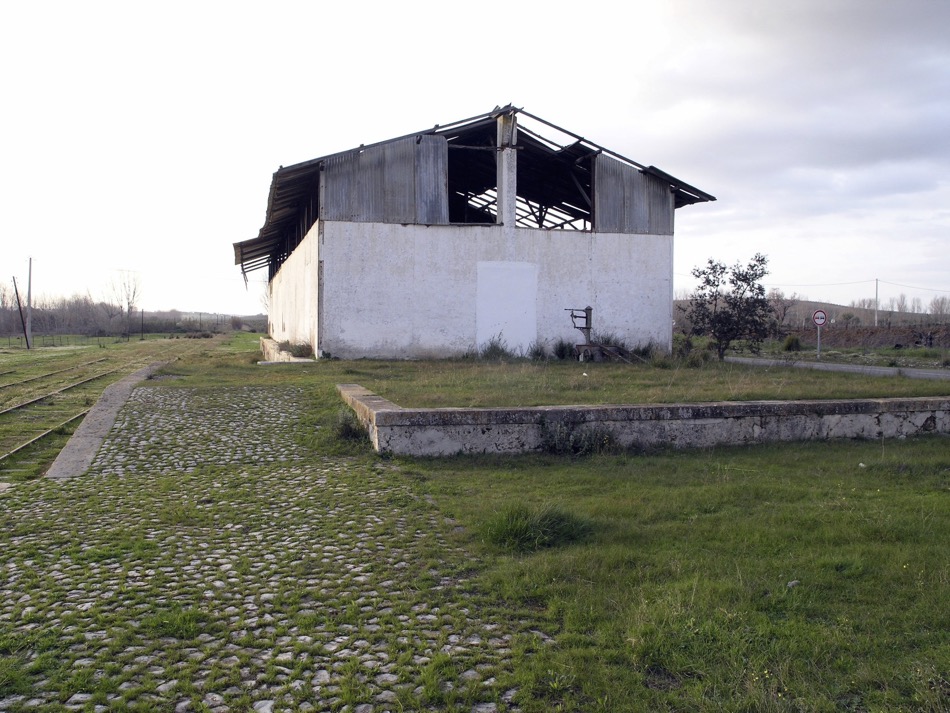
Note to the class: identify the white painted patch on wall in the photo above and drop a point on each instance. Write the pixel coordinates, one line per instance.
(506, 303)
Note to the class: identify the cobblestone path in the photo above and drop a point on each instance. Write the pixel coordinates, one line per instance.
(207, 562)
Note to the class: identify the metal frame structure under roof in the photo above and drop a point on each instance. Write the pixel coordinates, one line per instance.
(555, 183)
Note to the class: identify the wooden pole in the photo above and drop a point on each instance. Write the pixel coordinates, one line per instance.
(19, 306)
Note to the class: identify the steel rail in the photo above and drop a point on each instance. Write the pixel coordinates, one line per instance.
(59, 391)
(51, 373)
(128, 365)
(42, 435)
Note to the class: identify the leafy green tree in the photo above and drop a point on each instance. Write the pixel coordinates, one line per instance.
(730, 304)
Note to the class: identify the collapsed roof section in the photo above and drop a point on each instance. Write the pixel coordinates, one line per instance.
(449, 175)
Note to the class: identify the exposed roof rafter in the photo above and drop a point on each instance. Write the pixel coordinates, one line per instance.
(554, 182)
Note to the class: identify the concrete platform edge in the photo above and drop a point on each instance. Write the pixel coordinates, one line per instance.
(82, 447)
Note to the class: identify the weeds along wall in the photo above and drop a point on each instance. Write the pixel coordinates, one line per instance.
(413, 291)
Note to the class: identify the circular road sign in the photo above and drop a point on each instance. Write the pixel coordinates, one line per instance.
(819, 318)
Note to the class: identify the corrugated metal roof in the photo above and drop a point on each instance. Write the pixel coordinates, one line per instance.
(554, 183)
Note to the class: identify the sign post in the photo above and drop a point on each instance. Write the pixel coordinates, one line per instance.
(819, 318)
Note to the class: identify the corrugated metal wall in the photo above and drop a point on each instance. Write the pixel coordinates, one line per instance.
(628, 201)
(403, 181)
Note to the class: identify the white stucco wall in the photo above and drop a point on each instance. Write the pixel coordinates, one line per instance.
(411, 291)
(292, 313)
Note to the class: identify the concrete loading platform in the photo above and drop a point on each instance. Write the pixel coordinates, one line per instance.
(448, 431)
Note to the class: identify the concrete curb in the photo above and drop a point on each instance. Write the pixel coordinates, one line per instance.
(448, 431)
(82, 448)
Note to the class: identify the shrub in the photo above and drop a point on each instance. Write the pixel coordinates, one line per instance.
(575, 439)
(659, 360)
(792, 344)
(348, 426)
(301, 350)
(682, 346)
(495, 349)
(519, 528)
(695, 359)
(537, 351)
(609, 339)
(563, 349)
(642, 352)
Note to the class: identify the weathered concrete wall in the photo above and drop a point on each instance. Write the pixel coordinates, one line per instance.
(293, 314)
(270, 349)
(434, 432)
(411, 291)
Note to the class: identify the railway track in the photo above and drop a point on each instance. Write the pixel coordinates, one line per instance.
(13, 384)
(39, 411)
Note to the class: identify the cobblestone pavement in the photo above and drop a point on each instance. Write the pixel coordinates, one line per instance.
(207, 562)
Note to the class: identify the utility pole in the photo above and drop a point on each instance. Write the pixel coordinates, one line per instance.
(876, 281)
(19, 306)
(29, 304)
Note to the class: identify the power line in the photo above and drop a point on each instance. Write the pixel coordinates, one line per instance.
(845, 284)
(826, 284)
(911, 287)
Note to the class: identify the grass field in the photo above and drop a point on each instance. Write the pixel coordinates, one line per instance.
(794, 577)
(525, 383)
(790, 577)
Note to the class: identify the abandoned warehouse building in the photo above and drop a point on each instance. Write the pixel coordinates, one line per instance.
(435, 243)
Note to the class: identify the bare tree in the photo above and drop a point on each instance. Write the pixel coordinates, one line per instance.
(265, 298)
(126, 291)
(850, 319)
(939, 308)
(6, 309)
(781, 305)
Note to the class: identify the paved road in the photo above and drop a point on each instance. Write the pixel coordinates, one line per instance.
(206, 559)
(851, 368)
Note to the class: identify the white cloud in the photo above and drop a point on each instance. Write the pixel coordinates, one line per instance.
(144, 137)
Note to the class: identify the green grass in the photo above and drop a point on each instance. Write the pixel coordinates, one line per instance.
(783, 577)
(177, 622)
(519, 528)
(794, 577)
(524, 383)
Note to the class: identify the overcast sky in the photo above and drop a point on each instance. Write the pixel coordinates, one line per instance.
(142, 136)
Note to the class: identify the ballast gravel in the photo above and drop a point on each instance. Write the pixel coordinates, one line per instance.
(206, 561)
